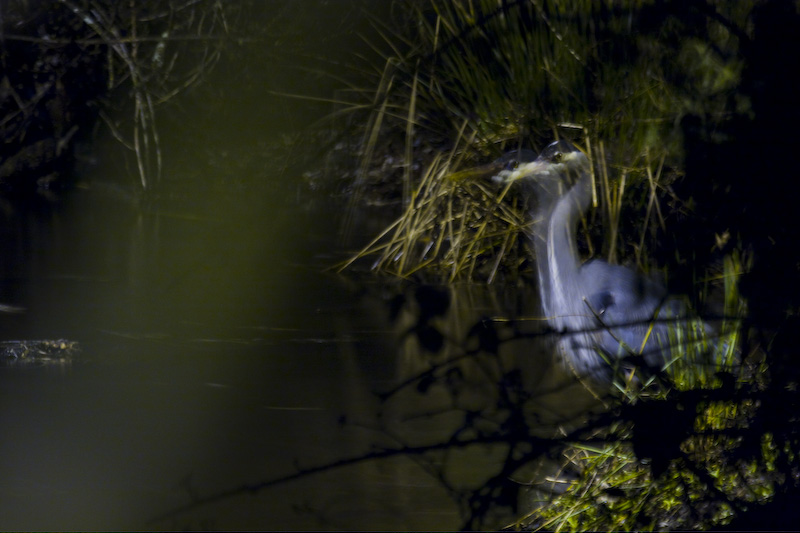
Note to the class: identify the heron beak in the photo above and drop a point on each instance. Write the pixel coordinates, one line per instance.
(477, 173)
(523, 170)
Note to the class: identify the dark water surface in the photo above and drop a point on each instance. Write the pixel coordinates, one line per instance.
(216, 351)
(213, 355)
(216, 348)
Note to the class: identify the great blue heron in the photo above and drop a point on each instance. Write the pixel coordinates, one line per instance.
(606, 314)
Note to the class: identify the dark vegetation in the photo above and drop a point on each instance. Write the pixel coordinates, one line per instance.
(65, 64)
(688, 109)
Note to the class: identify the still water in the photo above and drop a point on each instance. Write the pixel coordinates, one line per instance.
(212, 355)
(216, 351)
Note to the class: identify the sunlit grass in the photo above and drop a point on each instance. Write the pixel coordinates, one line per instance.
(711, 474)
(451, 226)
(699, 354)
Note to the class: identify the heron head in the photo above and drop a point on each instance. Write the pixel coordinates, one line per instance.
(558, 160)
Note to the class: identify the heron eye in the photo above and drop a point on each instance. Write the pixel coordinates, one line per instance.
(512, 164)
(557, 157)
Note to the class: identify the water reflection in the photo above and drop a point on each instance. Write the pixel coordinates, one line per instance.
(207, 363)
(214, 357)
(489, 392)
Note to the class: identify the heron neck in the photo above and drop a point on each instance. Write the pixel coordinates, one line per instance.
(556, 251)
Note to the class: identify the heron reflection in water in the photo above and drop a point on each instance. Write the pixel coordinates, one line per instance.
(606, 315)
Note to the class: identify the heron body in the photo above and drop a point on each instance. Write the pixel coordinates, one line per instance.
(605, 314)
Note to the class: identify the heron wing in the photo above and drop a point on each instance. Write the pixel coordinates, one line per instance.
(628, 308)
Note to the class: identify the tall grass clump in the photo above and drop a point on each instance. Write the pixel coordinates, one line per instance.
(482, 78)
(450, 228)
